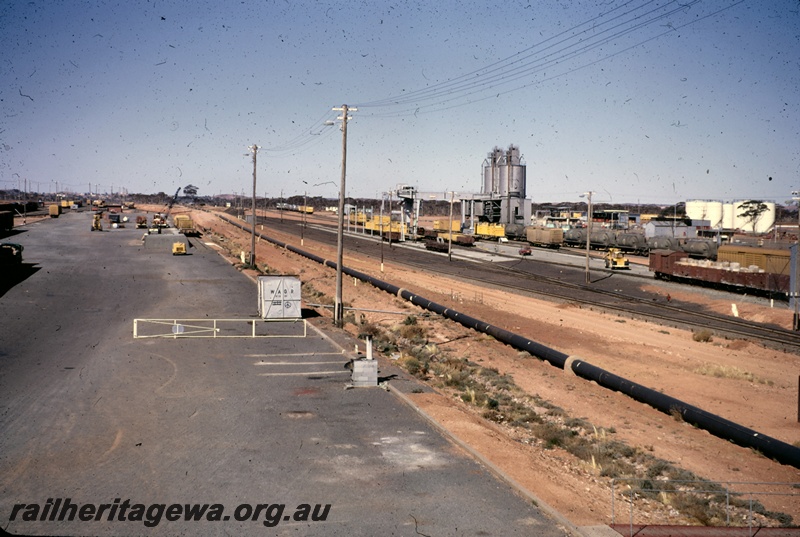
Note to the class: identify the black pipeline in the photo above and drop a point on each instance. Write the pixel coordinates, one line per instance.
(716, 425)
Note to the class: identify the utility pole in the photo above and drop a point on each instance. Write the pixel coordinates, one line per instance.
(795, 292)
(338, 312)
(450, 230)
(305, 211)
(588, 232)
(381, 234)
(390, 219)
(254, 149)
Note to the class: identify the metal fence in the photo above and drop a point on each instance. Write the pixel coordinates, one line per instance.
(219, 328)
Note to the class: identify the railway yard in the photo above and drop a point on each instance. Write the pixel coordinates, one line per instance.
(682, 341)
(570, 443)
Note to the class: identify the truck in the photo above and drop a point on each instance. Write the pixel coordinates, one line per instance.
(55, 210)
(184, 224)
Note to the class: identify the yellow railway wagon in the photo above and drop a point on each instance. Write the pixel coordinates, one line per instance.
(774, 261)
(358, 218)
(490, 231)
(396, 227)
(549, 237)
(374, 223)
(441, 225)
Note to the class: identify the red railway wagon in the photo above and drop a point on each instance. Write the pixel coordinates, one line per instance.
(676, 266)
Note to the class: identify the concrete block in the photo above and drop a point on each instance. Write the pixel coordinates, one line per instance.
(365, 373)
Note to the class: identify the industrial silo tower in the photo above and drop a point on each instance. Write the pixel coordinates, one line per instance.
(504, 187)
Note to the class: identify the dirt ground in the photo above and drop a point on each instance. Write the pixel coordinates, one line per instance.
(764, 397)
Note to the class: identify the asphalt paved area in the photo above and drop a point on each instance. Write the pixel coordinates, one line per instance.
(89, 413)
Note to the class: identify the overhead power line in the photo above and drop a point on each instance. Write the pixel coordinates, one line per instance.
(554, 57)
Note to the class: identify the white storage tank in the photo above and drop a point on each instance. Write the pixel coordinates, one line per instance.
(696, 209)
(728, 218)
(762, 225)
(709, 210)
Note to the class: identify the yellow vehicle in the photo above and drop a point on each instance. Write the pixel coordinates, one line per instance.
(615, 259)
(178, 248)
(184, 224)
(54, 210)
(97, 223)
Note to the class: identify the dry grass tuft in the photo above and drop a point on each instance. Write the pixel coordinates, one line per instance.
(729, 372)
(703, 336)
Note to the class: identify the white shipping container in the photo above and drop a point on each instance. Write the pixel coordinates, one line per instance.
(279, 297)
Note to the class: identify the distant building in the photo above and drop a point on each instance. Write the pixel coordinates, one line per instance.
(669, 228)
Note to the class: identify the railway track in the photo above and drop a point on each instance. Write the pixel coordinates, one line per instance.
(613, 291)
(623, 303)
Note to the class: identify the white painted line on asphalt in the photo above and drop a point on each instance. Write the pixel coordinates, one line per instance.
(295, 354)
(304, 373)
(297, 363)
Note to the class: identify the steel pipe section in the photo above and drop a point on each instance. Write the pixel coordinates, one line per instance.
(716, 425)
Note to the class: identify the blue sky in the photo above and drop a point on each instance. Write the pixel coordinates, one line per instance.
(640, 101)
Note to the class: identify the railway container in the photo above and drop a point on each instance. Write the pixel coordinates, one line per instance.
(441, 225)
(485, 230)
(6, 220)
(55, 210)
(10, 254)
(669, 265)
(359, 217)
(774, 261)
(184, 224)
(376, 224)
(547, 237)
(393, 230)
